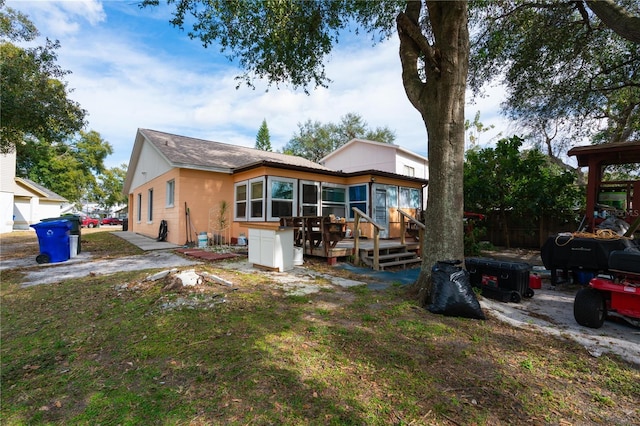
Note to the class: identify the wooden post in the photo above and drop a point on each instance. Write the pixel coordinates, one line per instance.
(356, 239)
(376, 248)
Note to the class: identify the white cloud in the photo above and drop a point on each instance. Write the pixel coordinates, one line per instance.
(61, 18)
(152, 76)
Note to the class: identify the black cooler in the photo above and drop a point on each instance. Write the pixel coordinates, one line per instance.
(500, 280)
(578, 254)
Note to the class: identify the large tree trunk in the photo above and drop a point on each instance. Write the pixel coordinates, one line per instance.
(621, 21)
(440, 100)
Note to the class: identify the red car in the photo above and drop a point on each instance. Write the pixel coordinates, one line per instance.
(111, 221)
(89, 222)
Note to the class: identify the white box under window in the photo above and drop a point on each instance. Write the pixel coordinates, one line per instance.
(271, 248)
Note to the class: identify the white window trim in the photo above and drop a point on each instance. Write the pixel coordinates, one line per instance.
(249, 199)
(139, 207)
(318, 204)
(235, 201)
(366, 200)
(150, 205)
(171, 193)
(409, 189)
(334, 185)
(294, 200)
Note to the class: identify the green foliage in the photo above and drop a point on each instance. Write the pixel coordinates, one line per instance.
(69, 168)
(475, 128)
(15, 25)
(34, 103)
(263, 140)
(502, 179)
(315, 140)
(108, 191)
(472, 235)
(564, 69)
(44, 126)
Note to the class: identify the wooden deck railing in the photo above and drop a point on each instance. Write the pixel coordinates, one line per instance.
(360, 215)
(413, 222)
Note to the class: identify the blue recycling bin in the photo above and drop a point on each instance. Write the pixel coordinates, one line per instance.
(53, 238)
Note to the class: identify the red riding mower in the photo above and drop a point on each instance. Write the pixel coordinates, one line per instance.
(613, 294)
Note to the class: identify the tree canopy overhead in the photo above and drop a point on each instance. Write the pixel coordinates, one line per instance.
(35, 102)
(43, 125)
(280, 41)
(566, 72)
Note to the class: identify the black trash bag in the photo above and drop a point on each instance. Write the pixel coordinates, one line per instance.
(451, 292)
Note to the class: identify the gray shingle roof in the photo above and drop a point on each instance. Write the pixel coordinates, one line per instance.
(182, 151)
(50, 195)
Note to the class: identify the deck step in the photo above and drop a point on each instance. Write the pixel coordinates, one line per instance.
(404, 263)
(399, 255)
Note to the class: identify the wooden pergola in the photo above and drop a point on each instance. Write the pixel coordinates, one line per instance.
(596, 157)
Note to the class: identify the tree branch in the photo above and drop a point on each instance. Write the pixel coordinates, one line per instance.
(410, 27)
(618, 19)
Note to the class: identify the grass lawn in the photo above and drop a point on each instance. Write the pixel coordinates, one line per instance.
(115, 350)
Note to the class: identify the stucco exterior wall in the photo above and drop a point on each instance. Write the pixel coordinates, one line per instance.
(363, 156)
(201, 191)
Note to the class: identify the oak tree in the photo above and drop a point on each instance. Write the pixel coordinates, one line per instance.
(35, 101)
(568, 76)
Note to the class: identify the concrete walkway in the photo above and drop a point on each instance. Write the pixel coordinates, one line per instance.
(143, 242)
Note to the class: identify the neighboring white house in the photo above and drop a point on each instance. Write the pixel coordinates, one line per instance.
(360, 154)
(7, 188)
(22, 201)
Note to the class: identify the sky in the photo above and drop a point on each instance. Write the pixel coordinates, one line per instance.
(130, 68)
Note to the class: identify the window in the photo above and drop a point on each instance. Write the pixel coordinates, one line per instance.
(240, 201)
(281, 196)
(139, 208)
(249, 200)
(310, 198)
(409, 198)
(256, 199)
(408, 171)
(358, 196)
(392, 196)
(333, 200)
(150, 205)
(171, 190)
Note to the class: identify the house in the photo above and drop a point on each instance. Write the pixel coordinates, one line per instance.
(24, 202)
(200, 186)
(361, 154)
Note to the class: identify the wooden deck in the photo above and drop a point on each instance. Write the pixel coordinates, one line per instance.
(345, 248)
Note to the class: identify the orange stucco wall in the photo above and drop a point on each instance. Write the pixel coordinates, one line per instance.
(203, 193)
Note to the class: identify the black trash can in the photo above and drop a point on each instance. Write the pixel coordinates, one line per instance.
(76, 225)
(125, 224)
